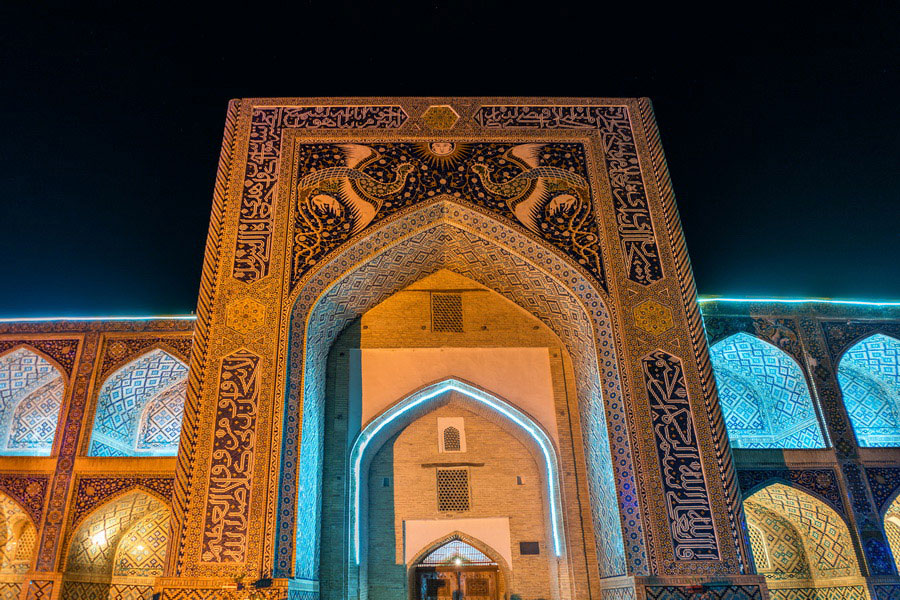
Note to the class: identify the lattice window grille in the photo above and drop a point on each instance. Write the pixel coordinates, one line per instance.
(452, 440)
(456, 549)
(453, 490)
(446, 313)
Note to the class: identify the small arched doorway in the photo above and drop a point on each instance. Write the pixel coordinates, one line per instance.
(456, 570)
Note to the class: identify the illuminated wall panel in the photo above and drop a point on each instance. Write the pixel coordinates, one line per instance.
(764, 395)
(139, 408)
(31, 393)
(869, 374)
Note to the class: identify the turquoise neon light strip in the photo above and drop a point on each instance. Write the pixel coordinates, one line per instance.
(700, 299)
(429, 393)
(48, 319)
(705, 299)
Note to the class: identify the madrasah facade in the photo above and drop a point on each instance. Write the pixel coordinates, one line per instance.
(451, 349)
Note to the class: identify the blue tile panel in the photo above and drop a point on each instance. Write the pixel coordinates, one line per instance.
(869, 374)
(764, 395)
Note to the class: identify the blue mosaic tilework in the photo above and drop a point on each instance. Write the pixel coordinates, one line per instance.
(764, 395)
(139, 408)
(869, 375)
(31, 393)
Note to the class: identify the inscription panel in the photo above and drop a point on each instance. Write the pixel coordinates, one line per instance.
(684, 485)
(227, 505)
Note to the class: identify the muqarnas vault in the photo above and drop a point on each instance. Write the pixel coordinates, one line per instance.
(451, 349)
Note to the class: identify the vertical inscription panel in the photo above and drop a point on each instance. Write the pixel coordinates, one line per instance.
(684, 486)
(231, 468)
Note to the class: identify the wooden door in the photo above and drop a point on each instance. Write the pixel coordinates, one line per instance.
(461, 583)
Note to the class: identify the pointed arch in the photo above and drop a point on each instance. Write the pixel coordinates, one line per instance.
(18, 537)
(32, 388)
(807, 539)
(765, 398)
(133, 518)
(395, 254)
(140, 406)
(869, 376)
(401, 413)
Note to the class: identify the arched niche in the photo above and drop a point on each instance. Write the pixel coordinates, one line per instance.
(869, 376)
(140, 407)
(445, 235)
(118, 548)
(798, 541)
(18, 538)
(31, 395)
(764, 395)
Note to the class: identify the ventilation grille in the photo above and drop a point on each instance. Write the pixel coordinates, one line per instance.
(452, 440)
(453, 490)
(446, 313)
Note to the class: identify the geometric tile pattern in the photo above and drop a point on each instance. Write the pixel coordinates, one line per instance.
(142, 551)
(160, 424)
(85, 590)
(390, 259)
(869, 374)
(139, 408)
(119, 591)
(10, 591)
(718, 592)
(94, 544)
(826, 540)
(821, 481)
(777, 547)
(31, 393)
(764, 395)
(846, 592)
(758, 545)
(34, 421)
(91, 492)
(40, 589)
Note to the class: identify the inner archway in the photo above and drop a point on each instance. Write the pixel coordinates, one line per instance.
(504, 489)
(444, 235)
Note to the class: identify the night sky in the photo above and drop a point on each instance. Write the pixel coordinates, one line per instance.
(781, 130)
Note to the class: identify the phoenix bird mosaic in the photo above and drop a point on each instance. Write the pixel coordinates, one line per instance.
(344, 188)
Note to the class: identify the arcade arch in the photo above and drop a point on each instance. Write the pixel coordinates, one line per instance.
(764, 395)
(798, 541)
(18, 541)
(119, 548)
(869, 375)
(31, 394)
(140, 407)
